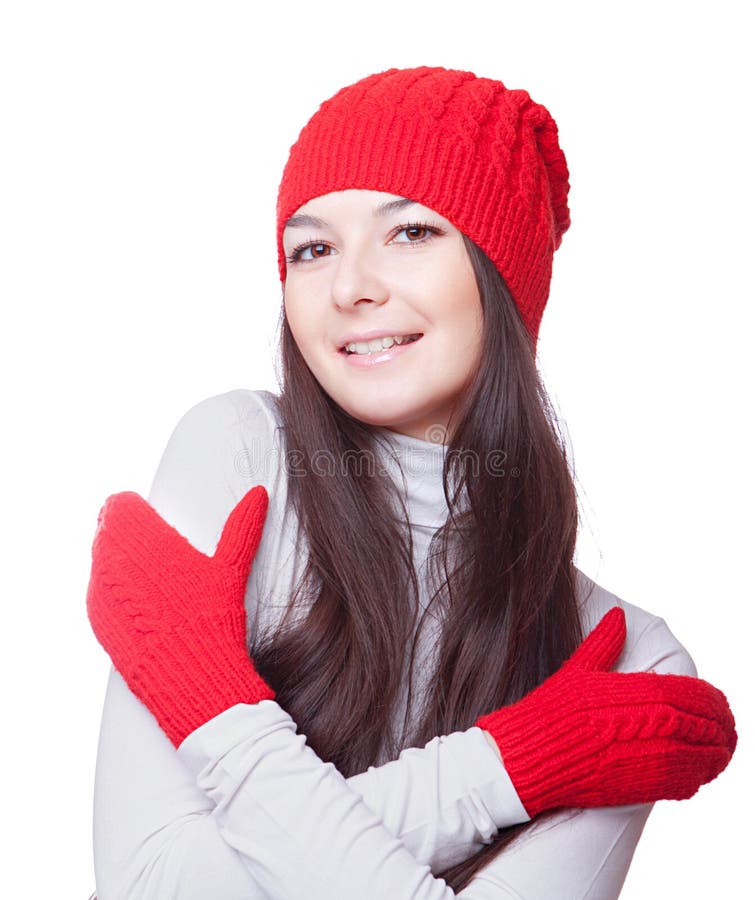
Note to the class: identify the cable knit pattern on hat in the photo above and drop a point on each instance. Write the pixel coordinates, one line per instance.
(485, 157)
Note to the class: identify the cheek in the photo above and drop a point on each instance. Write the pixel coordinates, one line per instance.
(467, 324)
(463, 306)
(306, 328)
(296, 316)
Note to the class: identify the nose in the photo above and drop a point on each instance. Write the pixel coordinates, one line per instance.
(357, 277)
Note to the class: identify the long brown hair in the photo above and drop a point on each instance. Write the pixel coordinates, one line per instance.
(502, 564)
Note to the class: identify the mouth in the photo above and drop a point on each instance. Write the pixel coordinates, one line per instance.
(363, 348)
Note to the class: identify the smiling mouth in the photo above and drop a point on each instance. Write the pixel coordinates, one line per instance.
(365, 351)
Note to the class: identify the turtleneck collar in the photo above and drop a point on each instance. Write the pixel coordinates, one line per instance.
(422, 464)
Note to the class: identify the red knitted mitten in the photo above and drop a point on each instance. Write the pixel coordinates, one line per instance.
(172, 618)
(591, 737)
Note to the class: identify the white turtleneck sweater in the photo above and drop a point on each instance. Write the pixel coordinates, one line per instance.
(245, 809)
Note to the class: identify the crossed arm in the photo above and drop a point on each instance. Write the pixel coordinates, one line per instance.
(298, 827)
(203, 821)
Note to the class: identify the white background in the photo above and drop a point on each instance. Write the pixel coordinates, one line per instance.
(142, 147)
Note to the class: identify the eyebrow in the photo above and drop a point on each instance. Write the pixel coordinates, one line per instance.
(383, 209)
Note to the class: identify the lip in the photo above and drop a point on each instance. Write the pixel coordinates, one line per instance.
(371, 336)
(369, 360)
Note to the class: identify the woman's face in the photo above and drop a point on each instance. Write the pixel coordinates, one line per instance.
(359, 270)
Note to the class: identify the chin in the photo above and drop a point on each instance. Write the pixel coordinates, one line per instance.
(379, 414)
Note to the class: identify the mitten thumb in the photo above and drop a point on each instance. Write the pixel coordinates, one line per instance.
(601, 648)
(242, 531)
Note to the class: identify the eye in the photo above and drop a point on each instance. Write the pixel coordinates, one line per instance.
(417, 232)
(316, 248)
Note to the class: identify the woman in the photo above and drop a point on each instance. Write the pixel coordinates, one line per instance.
(382, 558)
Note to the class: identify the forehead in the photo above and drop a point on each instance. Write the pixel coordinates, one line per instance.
(320, 211)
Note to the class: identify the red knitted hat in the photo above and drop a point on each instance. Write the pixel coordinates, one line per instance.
(485, 157)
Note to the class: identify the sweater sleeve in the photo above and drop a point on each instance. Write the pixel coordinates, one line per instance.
(275, 802)
(156, 832)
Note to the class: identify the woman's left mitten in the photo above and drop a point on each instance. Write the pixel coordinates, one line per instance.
(172, 618)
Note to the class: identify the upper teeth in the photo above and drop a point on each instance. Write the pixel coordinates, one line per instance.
(379, 343)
